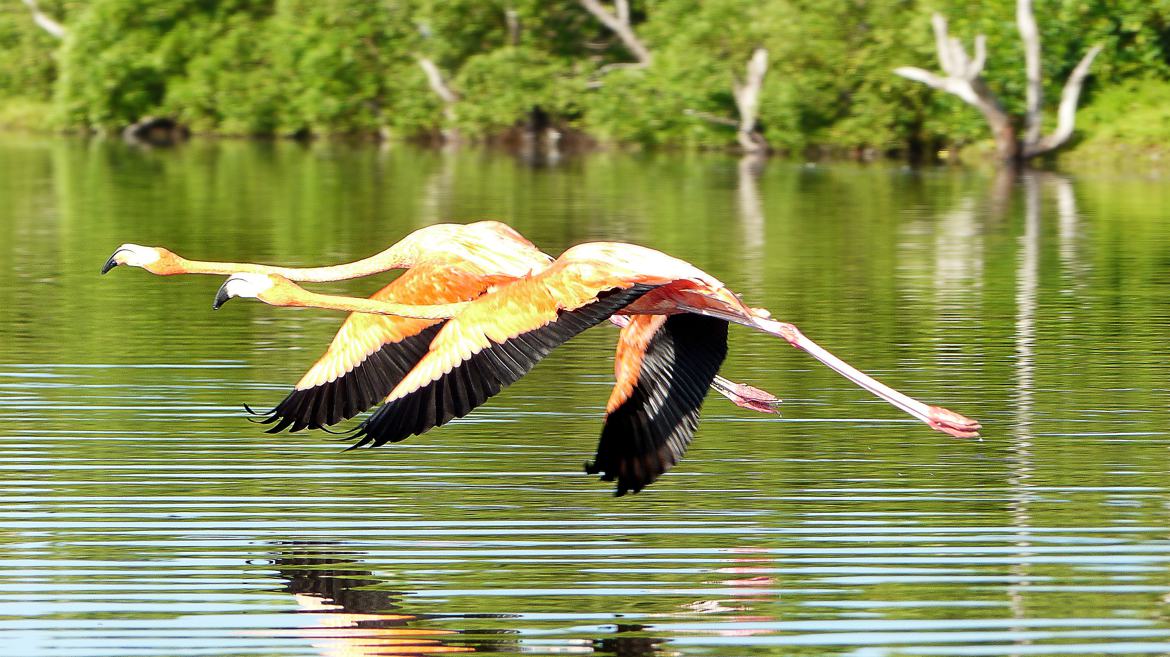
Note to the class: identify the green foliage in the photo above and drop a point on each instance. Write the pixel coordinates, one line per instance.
(332, 58)
(644, 107)
(351, 66)
(502, 87)
(1128, 123)
(700, 49)
(27, 67)
(232, 88)
(122, 57)
(25, 114)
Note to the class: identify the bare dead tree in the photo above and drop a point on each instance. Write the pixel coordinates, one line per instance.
(44, 21)
(619, 23)
(512, 18)
(963, 78)
(747, 100)
(445, 93)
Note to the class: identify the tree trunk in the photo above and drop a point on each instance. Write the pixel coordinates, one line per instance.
(512, 18)
(1003, 129)
(747, 100)
(444, 92)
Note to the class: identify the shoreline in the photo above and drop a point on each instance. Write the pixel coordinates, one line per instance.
(1091, 155)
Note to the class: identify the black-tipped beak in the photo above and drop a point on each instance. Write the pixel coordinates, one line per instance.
(221, 297)
(111, 263)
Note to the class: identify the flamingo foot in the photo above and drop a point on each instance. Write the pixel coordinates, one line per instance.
(745, 396)
(950, 422)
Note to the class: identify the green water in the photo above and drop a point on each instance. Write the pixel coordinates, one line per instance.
(141, 515)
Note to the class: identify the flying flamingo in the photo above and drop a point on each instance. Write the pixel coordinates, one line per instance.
(664, 366)
(371, 353)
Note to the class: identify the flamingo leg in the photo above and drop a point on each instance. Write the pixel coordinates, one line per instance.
(936, 417)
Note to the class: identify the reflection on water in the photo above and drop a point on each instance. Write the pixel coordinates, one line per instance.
(351, 620)
(142, 515)
(357, 618)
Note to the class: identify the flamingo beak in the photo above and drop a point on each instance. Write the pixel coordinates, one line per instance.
(221, 296)
(112, 262)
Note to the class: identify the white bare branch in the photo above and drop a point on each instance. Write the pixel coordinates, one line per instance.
(1030, 35)
(623, 10)
(747, 100)
(980, 54)
(957, 86)
(445, 93)
(43, 21)
(620, 25)
(962, 72)
(1067, 112)
(435, 79)
(924, 76)
(941, 43)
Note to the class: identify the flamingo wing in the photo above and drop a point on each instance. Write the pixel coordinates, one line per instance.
(664, 367)
(490, 345)
(371, 354)
(368, 357)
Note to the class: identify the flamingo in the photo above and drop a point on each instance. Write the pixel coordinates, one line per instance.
(675, 340)
(371, 353)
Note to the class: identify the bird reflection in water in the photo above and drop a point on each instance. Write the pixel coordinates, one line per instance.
(351, 619)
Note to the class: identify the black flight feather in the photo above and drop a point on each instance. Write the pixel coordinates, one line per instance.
(651, 430)
(363, 387)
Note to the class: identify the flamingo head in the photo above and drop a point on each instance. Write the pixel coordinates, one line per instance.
(248, 285)
(153, 259)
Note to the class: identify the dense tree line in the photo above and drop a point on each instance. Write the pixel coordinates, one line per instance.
(298, 67)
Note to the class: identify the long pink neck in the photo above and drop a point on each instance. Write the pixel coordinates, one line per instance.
(305, 299)
(938, 418)
(375, 264)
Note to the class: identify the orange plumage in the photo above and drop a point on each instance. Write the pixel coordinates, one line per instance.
(631, 351)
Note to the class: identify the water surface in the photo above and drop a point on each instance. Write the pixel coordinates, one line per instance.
(142, 515)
